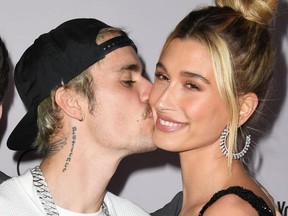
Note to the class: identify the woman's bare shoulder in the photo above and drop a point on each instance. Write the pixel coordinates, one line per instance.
(231, 204)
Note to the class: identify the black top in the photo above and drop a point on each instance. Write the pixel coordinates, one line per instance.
(3, 177)
(174, 207)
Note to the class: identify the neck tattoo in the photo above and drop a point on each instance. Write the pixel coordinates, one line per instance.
(45, 196)
(69, 158)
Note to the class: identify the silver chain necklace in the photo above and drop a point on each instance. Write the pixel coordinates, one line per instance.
(45, 196)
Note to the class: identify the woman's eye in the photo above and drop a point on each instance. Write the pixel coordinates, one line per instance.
(160, 76)
(192, 86)
(128, 83)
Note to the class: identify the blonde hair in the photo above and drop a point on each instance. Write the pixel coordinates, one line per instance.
(237, 35)
(50, 115)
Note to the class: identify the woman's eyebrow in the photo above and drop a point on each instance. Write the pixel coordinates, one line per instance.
(186, 73)
(194, 75)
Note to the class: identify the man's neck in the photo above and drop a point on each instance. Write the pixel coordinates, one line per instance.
(82, 185)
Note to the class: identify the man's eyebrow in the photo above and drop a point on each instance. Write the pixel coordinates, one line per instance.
(186, 73)
(130, 67)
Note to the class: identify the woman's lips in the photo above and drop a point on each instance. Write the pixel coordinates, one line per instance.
(168, 125)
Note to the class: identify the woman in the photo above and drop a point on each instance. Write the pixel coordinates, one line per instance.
(210, 83)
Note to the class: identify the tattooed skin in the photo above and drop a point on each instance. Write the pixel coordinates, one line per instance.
(69, 158)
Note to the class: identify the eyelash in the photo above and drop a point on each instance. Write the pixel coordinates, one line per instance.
(161, 77)
(192, 86)
(128, 83)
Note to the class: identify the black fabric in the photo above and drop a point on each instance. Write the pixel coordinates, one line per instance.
(54, 58)
(3, 177)
(174, 207)
(256, 202)
(171, 209)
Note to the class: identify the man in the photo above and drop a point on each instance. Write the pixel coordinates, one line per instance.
(82, 83)
(4, 70)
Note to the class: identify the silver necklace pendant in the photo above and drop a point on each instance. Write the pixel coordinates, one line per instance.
(105, 209)
(45, 196)
(43, 192)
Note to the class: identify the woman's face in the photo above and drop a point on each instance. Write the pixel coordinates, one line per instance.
(187, 108)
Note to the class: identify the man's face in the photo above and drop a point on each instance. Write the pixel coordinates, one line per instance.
(121, 118)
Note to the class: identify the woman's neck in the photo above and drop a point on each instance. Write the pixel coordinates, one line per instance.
(205, 174)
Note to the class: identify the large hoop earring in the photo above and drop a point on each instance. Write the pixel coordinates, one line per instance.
(223, 147)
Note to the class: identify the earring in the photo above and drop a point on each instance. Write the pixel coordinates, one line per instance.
(82, 118)
(223, 147)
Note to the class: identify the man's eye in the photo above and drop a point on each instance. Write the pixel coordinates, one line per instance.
(128, 83)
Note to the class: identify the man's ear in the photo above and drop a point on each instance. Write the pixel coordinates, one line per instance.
(69, 102)
(248, 103)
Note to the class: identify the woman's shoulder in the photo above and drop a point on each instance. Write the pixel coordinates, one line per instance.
(236, 201)
(230, 204)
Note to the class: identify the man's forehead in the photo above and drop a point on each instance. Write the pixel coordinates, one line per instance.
(120, 64)
(124, 59)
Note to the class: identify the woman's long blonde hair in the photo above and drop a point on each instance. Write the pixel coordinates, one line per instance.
(237, 35)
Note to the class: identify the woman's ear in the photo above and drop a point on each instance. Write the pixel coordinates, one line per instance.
(69, 102)
(248, 104)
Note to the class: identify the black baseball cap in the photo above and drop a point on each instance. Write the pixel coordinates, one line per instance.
(54, 58)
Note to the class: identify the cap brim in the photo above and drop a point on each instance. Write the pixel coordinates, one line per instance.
(24, 134)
